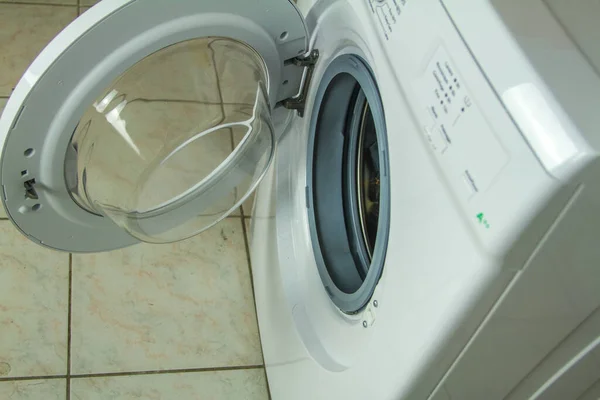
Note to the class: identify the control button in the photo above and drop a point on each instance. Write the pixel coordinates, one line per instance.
(428, 137)
(468, 101)
(443, 142)
(434, 139)
(432, 113)
(469, 183)
(444, 135)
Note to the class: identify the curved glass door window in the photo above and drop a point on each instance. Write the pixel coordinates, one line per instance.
(177, 142)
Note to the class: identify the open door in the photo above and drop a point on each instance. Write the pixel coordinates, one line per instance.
(147, 120)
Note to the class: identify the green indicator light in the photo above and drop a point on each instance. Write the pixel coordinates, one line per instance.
(482, 220)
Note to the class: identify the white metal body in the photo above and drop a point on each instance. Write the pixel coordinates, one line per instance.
(491, 287)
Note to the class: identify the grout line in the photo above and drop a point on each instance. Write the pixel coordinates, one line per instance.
(267, 382)
(220, 90)
(79, 12)
(69, 321)
(204, 103)
(223, 113)
(243, 219)
(247, 245)
(133, 373)
(29, 3)
(32, 378)
(229, 216)
(165, 372)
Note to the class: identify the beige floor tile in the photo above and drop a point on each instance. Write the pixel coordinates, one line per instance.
(182, 72)
(230, 385)
(33, 306)
(248, 204)
(2, 104)
(239, 70)
(62, 2)
(54, 389)
(183, 305)
(24, 32)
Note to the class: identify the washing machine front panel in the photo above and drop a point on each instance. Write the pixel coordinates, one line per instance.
(471, 200)
(311, 348)
(101, 137)
(397, 345)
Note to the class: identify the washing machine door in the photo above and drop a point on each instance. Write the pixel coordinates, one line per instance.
(147, 120)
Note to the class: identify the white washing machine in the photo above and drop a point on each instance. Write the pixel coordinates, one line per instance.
(426, 224)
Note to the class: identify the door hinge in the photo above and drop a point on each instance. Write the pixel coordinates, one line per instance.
(298, 102)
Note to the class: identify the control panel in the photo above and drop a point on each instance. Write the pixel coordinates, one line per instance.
(388, 12)
(456, 130)
(473, 143)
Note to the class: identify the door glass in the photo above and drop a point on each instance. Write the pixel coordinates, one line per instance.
(177, 142)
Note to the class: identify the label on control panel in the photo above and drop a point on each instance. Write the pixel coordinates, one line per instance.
(387, 12)
(457, 132)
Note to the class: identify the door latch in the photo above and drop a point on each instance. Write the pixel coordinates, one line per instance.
(30, 191)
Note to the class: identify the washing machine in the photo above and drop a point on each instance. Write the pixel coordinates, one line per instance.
(426, 175)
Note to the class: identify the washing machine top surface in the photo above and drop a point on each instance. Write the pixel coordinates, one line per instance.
(101, 138)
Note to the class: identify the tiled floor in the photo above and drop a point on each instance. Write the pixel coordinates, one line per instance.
(147, 322)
